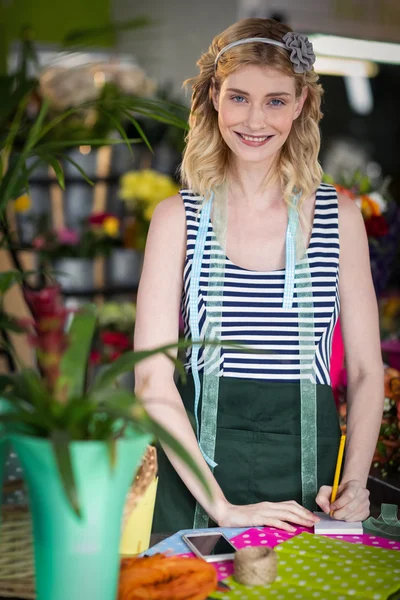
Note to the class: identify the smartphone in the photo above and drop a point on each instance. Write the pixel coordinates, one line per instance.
(211, 547)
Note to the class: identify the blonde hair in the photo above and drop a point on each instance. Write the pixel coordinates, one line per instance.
(206, 158)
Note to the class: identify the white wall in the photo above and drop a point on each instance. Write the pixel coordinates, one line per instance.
(186, 27)
(169, 51)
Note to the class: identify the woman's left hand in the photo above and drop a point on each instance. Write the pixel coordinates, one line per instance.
(351, 504)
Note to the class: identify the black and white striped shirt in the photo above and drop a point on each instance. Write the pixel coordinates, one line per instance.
(252, 312)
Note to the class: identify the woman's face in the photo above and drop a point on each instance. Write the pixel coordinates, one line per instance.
(256, 108)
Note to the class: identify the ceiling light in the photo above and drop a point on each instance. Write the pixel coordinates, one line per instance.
(345, 67)
(332, 45)
(359, 94)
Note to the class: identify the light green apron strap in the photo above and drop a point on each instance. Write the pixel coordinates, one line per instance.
(308, 391)
(212, 354)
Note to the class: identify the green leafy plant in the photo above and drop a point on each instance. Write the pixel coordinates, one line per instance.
(57, 403)
(54, 400)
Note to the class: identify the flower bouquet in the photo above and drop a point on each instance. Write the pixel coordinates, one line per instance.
(387, 453)
(382, 222)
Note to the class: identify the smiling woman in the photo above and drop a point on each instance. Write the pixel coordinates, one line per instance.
(249, 250)
(256, 108)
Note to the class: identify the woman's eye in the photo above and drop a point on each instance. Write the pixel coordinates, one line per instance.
(276, 102)
(239, 99)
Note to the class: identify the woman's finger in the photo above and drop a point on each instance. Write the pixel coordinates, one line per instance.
(323, 498)
(271, 522)
(294, 512)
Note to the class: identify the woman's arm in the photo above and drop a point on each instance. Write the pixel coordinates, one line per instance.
(360, 327)
(157, 317)
(157, 324)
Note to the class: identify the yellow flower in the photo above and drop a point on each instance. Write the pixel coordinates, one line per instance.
(147, 188)
(22, 204)
(111, 226)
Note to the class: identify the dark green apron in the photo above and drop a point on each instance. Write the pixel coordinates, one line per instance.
(257, 448)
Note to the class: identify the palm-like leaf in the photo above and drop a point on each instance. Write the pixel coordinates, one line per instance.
(75, 358)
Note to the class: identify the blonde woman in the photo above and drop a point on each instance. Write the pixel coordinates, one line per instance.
(251, 251)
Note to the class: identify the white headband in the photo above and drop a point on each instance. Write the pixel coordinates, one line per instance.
(248, 41)
(301, 50)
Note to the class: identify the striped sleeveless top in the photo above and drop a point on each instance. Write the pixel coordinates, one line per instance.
(252, 312)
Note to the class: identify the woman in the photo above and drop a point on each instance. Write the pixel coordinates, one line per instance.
(250, 250)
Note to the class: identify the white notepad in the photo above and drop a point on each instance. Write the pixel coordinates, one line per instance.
(326, 525)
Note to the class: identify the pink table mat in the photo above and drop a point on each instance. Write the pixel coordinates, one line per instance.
(271, 537)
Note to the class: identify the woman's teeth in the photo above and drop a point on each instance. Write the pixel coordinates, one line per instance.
(251, 138)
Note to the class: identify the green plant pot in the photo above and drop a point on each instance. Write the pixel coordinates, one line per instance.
(78, 557)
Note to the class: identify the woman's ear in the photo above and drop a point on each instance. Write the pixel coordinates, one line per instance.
(214, 95)
(300, 102)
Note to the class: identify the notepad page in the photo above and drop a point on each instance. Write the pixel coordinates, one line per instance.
(329, 526)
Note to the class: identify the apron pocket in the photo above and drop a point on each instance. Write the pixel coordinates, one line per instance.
(233, 455)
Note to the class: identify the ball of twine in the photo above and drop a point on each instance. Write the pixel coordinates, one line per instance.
(256, 565)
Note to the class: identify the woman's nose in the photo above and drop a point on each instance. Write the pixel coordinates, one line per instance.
(256, 119)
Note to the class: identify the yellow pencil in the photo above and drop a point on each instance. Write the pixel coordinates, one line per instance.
(337, 471)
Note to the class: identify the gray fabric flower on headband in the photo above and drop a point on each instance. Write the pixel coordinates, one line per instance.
(301, 51)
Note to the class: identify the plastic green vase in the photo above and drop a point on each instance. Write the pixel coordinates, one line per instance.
(78, 558)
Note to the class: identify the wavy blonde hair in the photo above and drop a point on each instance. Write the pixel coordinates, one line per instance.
(206, 159)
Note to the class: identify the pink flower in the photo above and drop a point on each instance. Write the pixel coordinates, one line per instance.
(68, 237)
(45, 302)
(39, 242)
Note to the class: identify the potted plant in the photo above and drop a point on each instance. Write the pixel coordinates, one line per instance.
(79, 444)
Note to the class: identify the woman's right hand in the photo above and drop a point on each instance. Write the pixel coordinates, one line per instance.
(266, 514)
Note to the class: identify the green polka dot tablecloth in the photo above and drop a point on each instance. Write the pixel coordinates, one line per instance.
(311, 566)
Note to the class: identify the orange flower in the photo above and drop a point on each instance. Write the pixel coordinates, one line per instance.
(369, 207)
(345, 191)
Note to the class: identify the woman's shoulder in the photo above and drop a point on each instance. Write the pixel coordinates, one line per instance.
(351, 222)
(174, 207)
(169, 214)
(348, 211)
(327, 191)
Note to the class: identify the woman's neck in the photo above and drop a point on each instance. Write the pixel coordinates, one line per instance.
(255, 188)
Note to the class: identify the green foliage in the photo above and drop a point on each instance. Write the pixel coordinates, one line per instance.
(71, 381)
(55, 402)
(101, 411)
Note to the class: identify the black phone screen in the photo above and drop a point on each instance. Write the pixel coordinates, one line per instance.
(211, 545)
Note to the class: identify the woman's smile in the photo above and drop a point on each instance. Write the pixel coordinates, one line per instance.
(254, 140)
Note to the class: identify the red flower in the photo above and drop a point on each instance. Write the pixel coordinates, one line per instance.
(115, 338)
(45, 302)
(115, 355)
(95, 357)
(376, 226)
(99, 218)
